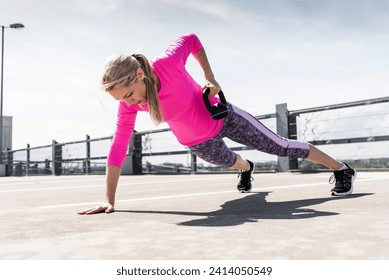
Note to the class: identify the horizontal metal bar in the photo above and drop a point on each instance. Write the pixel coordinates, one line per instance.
(83, 159)
(84, 141)
(97, 158)
(99, 139)
(152, 131)
(70, 143)
(266, 116)
(32, 148)
(340, 106)
(351, 140)
(171, 153)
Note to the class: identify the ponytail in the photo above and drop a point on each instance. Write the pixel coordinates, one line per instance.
(151, 89)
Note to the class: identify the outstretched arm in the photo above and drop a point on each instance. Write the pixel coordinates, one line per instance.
(116, 156)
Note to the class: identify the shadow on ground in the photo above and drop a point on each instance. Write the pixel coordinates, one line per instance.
(252, 208)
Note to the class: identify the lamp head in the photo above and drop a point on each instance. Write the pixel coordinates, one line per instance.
(16, 25)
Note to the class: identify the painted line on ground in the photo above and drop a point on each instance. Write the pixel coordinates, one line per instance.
(45, 182)
(178, 196)
(148, 182)
(103, 186)
(172, 196)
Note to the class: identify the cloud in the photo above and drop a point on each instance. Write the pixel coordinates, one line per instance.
(217, 9)
(93, 7)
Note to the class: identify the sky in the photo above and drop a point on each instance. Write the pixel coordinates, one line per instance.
(305, 53)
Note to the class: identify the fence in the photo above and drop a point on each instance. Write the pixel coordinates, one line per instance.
(146, 154)
(78, 157)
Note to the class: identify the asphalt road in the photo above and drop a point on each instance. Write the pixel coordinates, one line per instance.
(287, 216)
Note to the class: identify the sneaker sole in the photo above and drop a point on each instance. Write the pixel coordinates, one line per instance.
(245, 191)
(350, 190)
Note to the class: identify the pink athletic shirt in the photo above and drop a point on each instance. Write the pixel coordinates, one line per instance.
(180, 99)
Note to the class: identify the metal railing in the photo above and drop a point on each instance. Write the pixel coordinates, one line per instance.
(88, 156)
(74, 157)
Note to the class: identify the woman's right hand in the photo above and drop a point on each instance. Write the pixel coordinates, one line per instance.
(214, 87)
(103, 208)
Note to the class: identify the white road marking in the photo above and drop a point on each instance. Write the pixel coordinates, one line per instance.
(178, 196)
(186, 179)
(122, 184)
(50, 189)
(45, 181)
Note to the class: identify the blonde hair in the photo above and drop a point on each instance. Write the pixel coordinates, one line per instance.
(121, 71)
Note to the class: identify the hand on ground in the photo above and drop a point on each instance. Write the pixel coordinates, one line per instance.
(103, 208)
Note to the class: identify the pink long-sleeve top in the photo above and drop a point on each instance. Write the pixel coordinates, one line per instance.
(180, 99)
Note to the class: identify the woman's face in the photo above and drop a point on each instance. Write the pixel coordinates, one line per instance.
(134, 93)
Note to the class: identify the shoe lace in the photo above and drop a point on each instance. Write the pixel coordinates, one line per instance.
(340, 178)
(335, 178)
(245, 177)
(331, 180)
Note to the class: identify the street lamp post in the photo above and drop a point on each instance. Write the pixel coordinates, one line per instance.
(15, 26)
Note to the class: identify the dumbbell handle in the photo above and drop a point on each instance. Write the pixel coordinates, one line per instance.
(221, 95)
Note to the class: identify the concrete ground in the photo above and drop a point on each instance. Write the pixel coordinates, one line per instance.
(184, 217)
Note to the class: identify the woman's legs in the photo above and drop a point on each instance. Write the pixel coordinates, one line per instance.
(240, 164)
(316, 155)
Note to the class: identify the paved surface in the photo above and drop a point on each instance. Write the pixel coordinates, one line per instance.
(287, 216)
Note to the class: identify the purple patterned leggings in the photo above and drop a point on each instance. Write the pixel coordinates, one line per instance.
(243, 128)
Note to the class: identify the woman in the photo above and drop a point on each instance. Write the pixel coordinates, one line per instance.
(166, 90)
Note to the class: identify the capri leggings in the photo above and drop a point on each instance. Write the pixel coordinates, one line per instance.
(243, 128)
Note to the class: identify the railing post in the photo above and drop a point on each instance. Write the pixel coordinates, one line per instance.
(56, 158)
(193, 163)
(282, 130)
(292, 134)
(133, 163)
(28, 160)
(87, 159)
(53, 157)
(9, 160)
(137, 159)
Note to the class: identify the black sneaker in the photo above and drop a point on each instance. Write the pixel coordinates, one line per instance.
(244, 184)
(344, 181)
